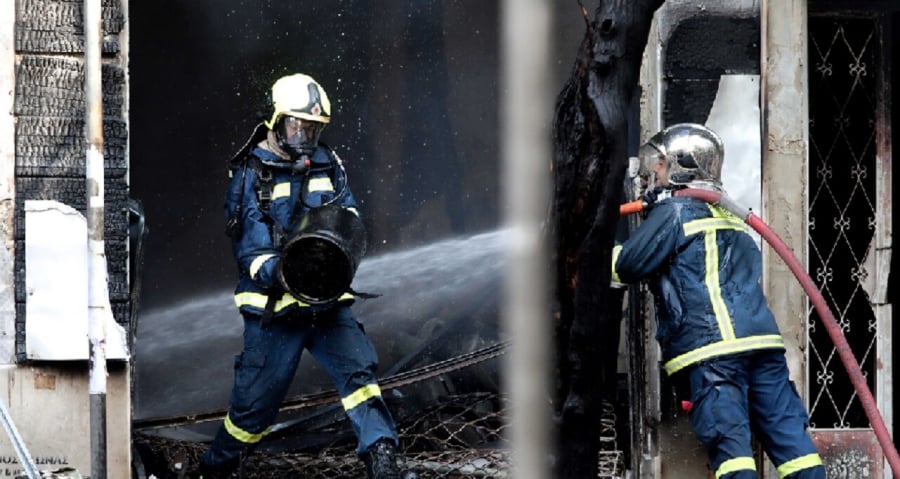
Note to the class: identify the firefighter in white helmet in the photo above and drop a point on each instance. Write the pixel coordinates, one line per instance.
(283, 172)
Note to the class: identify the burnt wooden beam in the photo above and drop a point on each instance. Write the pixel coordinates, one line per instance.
(589, 162)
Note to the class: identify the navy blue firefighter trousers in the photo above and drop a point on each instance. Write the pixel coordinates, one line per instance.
(264, 370)
(734, 396)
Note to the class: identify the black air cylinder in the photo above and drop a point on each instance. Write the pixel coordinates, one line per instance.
(320, 258)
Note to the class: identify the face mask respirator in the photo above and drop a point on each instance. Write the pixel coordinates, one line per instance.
(298, 137)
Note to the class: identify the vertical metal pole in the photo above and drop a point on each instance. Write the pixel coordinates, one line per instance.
(525, 114)
(98, 298)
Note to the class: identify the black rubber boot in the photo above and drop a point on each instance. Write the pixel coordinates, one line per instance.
(382, 462)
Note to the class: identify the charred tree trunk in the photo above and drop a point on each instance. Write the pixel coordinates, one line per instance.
(590, 159)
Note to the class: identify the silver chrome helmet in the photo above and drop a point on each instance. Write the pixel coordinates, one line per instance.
(693, 153)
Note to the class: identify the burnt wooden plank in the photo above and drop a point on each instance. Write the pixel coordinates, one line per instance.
(57, 26)
(50, 110)
(55, 147)
(71, 191)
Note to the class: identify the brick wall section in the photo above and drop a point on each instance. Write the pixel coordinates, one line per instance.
(50, 141)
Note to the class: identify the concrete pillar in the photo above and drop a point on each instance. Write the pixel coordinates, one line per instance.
(785, 171)
(785, 165)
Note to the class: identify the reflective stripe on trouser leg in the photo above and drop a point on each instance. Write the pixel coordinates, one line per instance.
(720, 417)
(781, 418)
(344, 350)
(262, 376)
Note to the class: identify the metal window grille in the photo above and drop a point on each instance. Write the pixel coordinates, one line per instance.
(843, 214)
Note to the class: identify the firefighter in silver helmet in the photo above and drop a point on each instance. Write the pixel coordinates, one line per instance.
(692, 153)
(717, 334)
(283, 172)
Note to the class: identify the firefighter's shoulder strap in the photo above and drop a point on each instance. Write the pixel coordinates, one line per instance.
(265, 181)
(263, 187)
(244, 158)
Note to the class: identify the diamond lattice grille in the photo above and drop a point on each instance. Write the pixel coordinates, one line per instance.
(842, 215)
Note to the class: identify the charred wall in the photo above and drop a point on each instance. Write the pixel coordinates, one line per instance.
(699, 50)
(50, 142)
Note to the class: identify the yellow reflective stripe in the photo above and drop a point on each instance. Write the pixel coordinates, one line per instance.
(242, 435)
(803, 462)
(259, 300)
(721, 220)
(712, 224)
(719, 212)
(617, 249)
(726, 329)
(345, 297)
(769, 341)
(258, 262)
(281, 190)
(360, 396)
(320, 184)
(736, 464)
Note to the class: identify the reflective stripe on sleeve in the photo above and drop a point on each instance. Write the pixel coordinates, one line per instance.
(258, 300)
(617, 249)
(258, 262)
(320, 184)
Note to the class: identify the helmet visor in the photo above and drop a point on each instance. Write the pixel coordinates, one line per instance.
(650, 156)
(299, 136)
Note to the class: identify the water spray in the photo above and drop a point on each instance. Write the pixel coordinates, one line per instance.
(831, 325)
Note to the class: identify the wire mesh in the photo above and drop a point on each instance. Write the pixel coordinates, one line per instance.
(459, 437)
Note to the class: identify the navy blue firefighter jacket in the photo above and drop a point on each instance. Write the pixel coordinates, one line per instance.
(704, 270)
(255, 248)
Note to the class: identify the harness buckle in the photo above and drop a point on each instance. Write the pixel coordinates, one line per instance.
(265, 190)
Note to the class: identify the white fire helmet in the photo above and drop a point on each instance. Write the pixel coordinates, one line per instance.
(299, 96)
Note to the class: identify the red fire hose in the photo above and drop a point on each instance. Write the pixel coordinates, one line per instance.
(831, 325)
